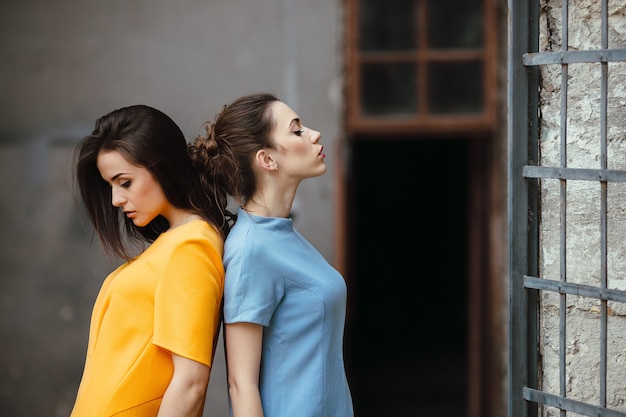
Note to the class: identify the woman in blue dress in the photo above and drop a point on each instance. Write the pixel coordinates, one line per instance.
(284, 304)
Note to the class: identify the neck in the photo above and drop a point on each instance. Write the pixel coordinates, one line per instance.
(180, 217)
(271, 204)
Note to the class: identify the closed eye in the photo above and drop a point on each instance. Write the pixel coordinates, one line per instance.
(125, 184)
(299, 132)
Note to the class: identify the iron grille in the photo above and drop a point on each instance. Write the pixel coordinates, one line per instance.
(527, 182)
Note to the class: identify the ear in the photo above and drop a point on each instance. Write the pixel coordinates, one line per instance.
(265, 161)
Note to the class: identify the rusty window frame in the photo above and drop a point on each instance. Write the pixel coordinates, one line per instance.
(422, 121)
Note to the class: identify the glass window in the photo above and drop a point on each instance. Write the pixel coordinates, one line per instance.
(387, 25)
(459, 27)
(389, 89)
(421, 63)
(455, 87)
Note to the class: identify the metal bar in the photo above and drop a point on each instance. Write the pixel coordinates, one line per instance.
(532, 209)
(575, 57)
(566, 404)
(589, 291)
(603, 205)
(524, 22)
(582, 174)
(522, 128)
(563, 210)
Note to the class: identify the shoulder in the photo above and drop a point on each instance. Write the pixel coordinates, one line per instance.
(245, 233)
(245, 242)
(196, 234)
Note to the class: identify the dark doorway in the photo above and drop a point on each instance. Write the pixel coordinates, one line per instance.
(406, 337)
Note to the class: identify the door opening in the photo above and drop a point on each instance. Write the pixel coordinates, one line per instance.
(407, 222)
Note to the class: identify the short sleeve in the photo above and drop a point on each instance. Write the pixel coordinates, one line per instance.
(188, 301)
(252, 289)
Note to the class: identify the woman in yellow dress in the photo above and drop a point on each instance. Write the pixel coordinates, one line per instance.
(152, 201)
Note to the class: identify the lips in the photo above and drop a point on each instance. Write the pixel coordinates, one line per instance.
(322, 154)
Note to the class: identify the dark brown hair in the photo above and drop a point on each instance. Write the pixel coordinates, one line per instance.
(148, 138)
(241, 129)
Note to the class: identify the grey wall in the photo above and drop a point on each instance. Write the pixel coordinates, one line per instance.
(67, 62)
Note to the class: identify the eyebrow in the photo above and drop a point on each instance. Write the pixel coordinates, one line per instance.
(296, 121)
(116, 176)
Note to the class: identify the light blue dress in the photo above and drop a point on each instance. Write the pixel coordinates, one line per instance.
(276, 278)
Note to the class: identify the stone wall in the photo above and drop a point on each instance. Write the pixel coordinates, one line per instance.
(582, 222)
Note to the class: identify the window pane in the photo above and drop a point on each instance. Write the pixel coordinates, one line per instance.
(455, 24)
(387, 25)
(388, 89)
(455, 87)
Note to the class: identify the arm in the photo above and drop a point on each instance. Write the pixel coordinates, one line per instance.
(243, 353)
(186, 392)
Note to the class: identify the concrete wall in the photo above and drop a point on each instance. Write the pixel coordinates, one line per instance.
(67, 62)
(583, 256)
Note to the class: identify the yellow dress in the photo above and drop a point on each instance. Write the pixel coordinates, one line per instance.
(166, 300)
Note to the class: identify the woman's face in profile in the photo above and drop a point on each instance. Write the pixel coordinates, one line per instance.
(299, 152)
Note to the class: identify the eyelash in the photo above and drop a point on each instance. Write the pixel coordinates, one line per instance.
(299, 132)
(125, 184)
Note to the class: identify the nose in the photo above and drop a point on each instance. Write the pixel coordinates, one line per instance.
(116, 198)
(315, 135)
